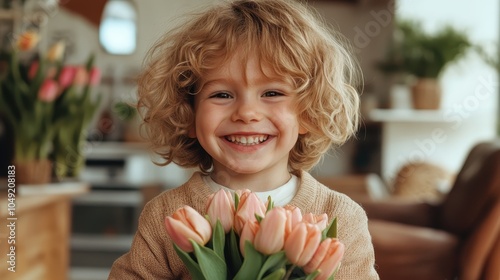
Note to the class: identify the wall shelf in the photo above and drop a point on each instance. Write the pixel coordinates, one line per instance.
(407, 115)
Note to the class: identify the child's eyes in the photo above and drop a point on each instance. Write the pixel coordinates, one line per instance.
(225, 95)
(272, 93)
(221, 95)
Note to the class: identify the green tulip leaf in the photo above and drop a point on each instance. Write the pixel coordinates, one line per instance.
(270, 204)
(236, 201)
(258, 218)
(274, 261)
(234, 252)
(276, 275)
(330, 231)
(313, 275)
(192, 266)
(212, 266)
(252, 263)
(218, 239)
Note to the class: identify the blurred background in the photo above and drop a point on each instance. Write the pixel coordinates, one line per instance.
(430, 94)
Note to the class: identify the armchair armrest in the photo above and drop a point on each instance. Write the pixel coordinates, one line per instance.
(412, 252)
(410, 213)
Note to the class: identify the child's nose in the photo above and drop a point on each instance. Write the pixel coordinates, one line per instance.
(247, 111)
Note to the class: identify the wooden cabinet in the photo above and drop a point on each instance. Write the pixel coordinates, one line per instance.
(40, 228)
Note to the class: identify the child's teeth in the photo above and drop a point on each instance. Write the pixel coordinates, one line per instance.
(251, 140)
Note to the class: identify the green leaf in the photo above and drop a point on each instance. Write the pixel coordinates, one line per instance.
(274, 261)
(270, 204)
(192, 266)
(211, 265)
(331, 231)
(234, 252)
(218, 239)
(276, 275)
(258, 218)
(252, 263)
(312, 275)
(236, 201)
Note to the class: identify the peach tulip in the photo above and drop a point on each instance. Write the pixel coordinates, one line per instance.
(319, 220)
(48, 91)
(221, 207)
(249, 206)
(294, 217)
(326, 259)
(249, 231)
(187, 224)
(271, 236)
(27, 40)
(302, 243)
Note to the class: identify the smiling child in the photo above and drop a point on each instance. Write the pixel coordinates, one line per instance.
(253, 92)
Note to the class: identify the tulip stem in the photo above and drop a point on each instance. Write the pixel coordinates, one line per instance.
(289, 272)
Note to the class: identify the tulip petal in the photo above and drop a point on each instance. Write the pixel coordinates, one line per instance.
(185, 224)
(270, 238)
(178, 232)
(302, 243)
(221, 207)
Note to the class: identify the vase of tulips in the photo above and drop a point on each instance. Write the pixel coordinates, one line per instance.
(46, 106)
(243, 238)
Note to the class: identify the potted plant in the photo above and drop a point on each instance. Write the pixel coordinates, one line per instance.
(48, 104)
(425, 55)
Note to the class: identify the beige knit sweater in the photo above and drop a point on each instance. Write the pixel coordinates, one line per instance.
(152, 255)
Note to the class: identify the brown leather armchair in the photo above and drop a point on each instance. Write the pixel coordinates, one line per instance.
(458, 238)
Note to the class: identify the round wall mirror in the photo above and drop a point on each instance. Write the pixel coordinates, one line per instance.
(118, 28)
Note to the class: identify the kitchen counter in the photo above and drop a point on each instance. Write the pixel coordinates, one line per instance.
(35, 226)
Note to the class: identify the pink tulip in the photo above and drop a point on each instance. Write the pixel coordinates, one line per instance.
(67, 75)
(48, 91)
(187, 224)
(221, 207)
(94, 76)
(326, 259)
(249, 231)
(249, 206)
(33, 69)
(319, 220)
(81, 76)
(293, 218)
(302, 243)
(271, 236)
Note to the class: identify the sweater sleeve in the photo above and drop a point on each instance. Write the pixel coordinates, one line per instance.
(147, 257)
(359, 258)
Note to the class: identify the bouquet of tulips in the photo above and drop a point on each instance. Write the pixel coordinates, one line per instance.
(243, 238)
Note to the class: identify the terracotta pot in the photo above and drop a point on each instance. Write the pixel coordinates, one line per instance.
(426, 94)
(33, 172)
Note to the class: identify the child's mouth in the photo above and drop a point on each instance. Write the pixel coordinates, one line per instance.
(247, 140)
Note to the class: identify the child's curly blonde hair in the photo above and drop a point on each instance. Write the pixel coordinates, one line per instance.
(285, 35)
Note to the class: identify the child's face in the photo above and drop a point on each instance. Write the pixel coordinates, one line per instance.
(246, 120)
